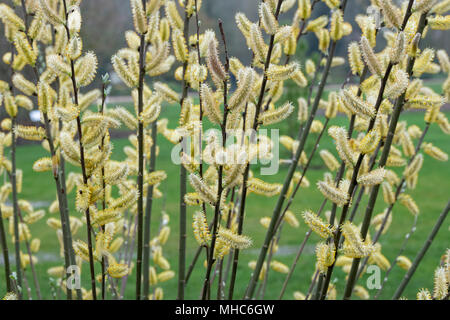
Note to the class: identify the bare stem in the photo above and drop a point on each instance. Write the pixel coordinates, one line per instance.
(421, 253)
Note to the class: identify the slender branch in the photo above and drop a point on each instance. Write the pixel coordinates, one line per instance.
(140, 179)
(83, 164)
(183, 175)
(220, 188)
(421, 253)
(148, 213)
(4, 245)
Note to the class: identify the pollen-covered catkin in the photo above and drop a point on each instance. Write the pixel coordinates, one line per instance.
(354, 58)
(337, 25)
(281, 73)
(370, 58)
(244, 89)
(276, 115)
(268, 20)
(201, 230)
(336, 195)
(372, 178)
(317, 225)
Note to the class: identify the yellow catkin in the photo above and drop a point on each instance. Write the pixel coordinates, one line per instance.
(317, 225)
(214, 65)
(388, 193)
(440, 284)
(139, 16)
(414, 167)
(403, 262)
(329, 160)
(24, 48)
(391, 13)
(336, 195)
(276, 115)
(407, 201)
(279, 267)
(263, 188)
(244, 89)
(27, 87)
(173, 16)
(370, 141)
(372, 178)
(258, 46)
(201, 230)
(268, 20)
(118, 270)
(434, 152)
(179, 46)
(325, 256)
(354, 58)
(370, 58)
(336, 28)
(233, 239)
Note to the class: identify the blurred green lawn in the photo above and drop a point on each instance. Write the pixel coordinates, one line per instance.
(431, 195)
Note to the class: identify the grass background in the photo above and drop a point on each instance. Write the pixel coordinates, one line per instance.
(431, 195)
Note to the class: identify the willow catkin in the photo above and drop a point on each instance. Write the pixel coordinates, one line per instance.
(267, 18)
(317, 24)
(397, 52)
(260, 187)
(329, 160)
(398, 84)
(353, 246)
(215, 66)
(211, 106)
(257, 43)
(317, 225)
(57, 65)
(434, 152)
(336, 27)
(74, 48)
(139, 16)
(203, 190)
(281, 73)
(201, 230)
(336, 195)
(27, 87)
(414, 167)
(357, 105)
(233, 239)
(87, 69)
(50, 14)
(302, 115)
(440, 284)
(388, 193)
(325, 256)
(24, 48)
(407, 201)
(339, 134)
(372, 178)
(276, 115)
(173, 16)
(304, 9)
(244, 89)
(354, 58)
(403, 262)
(370, 58)
(166, 92)
(391, 13)
(45, 100)
(179, 46)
